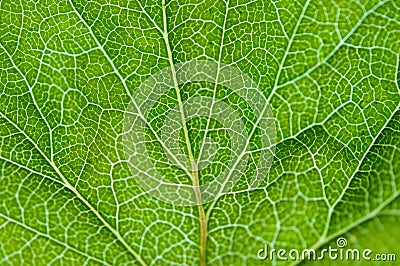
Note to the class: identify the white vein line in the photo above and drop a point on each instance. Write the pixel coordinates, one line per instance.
(397, 77)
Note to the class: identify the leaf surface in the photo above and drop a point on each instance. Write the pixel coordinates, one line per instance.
(329, 71)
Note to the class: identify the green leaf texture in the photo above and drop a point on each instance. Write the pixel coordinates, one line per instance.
(68, 70)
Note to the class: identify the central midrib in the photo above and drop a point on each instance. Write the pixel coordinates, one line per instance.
(194, 173)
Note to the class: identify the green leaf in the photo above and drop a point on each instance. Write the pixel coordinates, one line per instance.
(324, 75)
